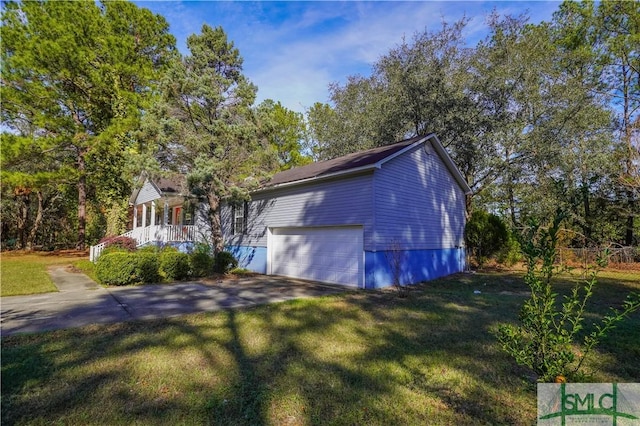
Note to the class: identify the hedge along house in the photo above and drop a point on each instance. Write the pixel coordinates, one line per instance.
(164, 213)
(367, 219)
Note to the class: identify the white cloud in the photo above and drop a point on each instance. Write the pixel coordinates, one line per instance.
(293, 50)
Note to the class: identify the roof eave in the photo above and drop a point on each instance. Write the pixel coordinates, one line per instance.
(442, 152)
(319, 178)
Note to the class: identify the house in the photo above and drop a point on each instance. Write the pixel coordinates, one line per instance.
(390, 214)
(393, 213)
(163, 212)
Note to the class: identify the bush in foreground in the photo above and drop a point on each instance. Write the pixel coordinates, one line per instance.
(122, 268)
(174, 265)
(125, 243)
(201, 261)
(550, 331)
(224, 262)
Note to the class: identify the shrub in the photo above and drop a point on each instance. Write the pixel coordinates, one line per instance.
(114, 249)
(174, 265)
(485, 233)
(150, 248)
(148, 267)
(201, 264)
(201, 260)
(126, 243)
(123, 268)
(224, 262)
(510, 253)
(549, 331)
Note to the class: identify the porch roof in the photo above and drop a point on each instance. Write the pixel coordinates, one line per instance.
(173, 186)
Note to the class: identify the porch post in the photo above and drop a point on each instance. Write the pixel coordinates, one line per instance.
(165, 216)
(153, 213)
(135, 216)
(144, 215)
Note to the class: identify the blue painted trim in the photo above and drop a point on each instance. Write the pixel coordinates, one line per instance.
(417, 266)
(251, 258)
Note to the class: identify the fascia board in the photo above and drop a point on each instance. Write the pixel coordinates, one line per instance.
(318, 178)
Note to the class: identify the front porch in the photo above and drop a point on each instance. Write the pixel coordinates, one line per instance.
(161, 213)
(155, 234)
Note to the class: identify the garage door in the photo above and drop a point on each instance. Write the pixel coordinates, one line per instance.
(328, 254)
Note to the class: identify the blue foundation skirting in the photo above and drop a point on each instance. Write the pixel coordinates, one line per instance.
(415, 265)
(251, 258)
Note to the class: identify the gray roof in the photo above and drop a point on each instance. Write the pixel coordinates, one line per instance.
(341, 164)
(362, 161)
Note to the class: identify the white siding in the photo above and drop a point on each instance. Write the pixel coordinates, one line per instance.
(147, 193)
(418, 203)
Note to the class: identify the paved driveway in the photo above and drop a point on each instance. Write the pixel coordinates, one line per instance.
(81, 301)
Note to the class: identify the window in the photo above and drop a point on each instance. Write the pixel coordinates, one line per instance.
(239, 215)
(189, 215)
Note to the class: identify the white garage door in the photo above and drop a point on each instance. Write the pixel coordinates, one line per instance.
(328, 254)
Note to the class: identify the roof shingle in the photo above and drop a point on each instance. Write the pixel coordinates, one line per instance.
(340, 164)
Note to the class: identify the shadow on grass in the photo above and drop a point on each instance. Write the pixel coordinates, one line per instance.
(358, 358)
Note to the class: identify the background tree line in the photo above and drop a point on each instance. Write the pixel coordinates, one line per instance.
(94, 94)
(535, 116)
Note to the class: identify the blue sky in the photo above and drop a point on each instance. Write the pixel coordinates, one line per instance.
(293, 50)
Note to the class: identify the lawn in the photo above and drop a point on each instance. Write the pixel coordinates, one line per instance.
(22, 273)
(357, 358)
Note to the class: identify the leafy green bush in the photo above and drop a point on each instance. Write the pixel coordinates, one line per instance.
(201, 264)
(224, 262)
(510, 253)
(148, 267)
(485, 233)
(124, 268)
(126, 243)
(148, 249)
(174, 265)
(549, 331)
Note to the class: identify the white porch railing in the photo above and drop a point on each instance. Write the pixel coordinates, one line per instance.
(156, 234)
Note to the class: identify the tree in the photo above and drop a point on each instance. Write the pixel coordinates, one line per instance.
(596, 51)
(285, 130)
(416, 88)
(78, 74)
(618, 32)
(211, 133)
(486, 234)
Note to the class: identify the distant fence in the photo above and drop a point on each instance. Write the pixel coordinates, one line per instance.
(590, 254)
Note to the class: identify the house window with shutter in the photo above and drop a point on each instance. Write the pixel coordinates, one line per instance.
(240, 214)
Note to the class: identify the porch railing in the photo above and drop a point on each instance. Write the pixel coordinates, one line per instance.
(157, 234)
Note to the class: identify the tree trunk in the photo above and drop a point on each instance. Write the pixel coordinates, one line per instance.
(215, 223)
(587, 212)
(512, 206)
(627, 125)
(468, 205)
(628, 238)
(82, 199)
(23, 217)
(36, 223)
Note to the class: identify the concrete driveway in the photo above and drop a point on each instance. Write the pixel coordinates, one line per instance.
(80, 301)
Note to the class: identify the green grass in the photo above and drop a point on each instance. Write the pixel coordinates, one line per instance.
(358, 358)
(27, 273)
(87, 267)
